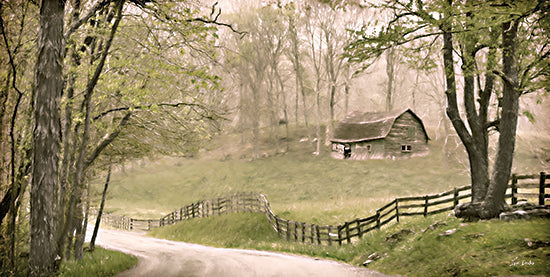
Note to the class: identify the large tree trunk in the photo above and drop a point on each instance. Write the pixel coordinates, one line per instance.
(488, 194)
(495, 202)
(46, 140)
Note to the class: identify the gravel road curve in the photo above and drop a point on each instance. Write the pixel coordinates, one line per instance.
(157, 257)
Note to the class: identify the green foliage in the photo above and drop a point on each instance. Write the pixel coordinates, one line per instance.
(417, 26)
(100, 262)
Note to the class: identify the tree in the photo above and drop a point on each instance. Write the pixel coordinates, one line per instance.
(15, 110)
(117, 114)
(316, 53)
(46, 140)
(475, 32)
(295, 56)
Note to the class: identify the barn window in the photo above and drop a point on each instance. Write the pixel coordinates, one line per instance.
(406, 148)
(412, 132)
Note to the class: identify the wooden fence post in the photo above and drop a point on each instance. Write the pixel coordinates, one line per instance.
(541, 188)
(295, 231)
(318, 234)
(397, 210)
(359, 231)
(303, 226)
(131, 223)
(312, 230)
(377, 219)
(339, 228)
(514, 189)
(455, 197)
(425, 205)
(348, 236)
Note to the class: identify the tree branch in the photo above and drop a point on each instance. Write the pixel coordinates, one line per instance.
(142, 107)
(71, 29)
(504, 77)
(107, 140)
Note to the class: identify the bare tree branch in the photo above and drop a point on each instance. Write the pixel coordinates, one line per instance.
(174, 105)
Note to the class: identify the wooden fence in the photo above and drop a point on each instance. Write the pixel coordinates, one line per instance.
(520, 189)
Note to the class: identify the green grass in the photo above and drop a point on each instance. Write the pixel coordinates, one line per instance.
(100, 262)
(486, 248)
(306, 187)
(300, 186)
(322, 190)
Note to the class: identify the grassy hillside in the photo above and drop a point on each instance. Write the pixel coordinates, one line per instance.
(299, 185)
(316, 187)
(322, 190)
(412, 248)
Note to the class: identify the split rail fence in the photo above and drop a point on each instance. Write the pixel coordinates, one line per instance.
(521, 188)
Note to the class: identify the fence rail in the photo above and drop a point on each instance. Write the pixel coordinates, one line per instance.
(331, 234)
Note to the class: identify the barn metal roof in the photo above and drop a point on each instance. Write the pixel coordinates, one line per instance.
(361, 126)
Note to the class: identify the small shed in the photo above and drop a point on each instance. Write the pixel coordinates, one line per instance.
(381, 135)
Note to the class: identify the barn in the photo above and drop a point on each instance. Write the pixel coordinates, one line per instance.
(382, 135)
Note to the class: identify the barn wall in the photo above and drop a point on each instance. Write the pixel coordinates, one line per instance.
(373, 149)
(400, 135)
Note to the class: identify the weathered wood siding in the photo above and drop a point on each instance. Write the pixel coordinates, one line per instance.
(406, 131)
(367, 150)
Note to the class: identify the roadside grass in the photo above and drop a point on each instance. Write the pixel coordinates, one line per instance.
(410, 248)
(487, 248)
(100, 262)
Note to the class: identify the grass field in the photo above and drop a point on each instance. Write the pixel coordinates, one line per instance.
(316, 188)
(322, 190)
(300, 186)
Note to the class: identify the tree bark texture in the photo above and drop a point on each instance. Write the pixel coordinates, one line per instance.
(46, 140)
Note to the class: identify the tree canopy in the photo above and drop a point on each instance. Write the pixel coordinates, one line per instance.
(501, 50)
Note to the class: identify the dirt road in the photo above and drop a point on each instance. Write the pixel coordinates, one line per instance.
(159, 257)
